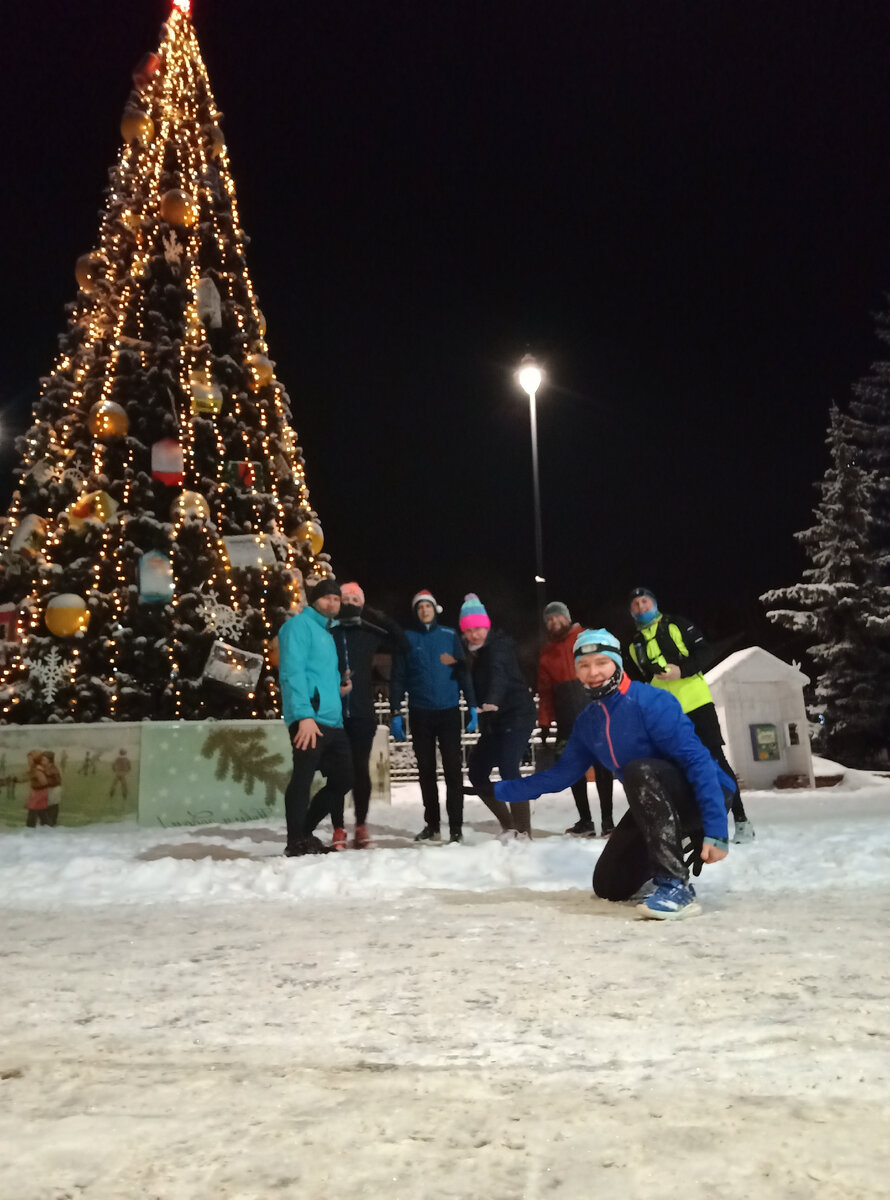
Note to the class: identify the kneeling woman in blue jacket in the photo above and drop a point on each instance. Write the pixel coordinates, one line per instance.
(673, 786)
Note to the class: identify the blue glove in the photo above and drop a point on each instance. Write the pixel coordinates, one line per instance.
(473, 723)
(397, 728)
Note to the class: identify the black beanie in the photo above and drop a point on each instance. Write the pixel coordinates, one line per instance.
(641, 591)
(324, 587)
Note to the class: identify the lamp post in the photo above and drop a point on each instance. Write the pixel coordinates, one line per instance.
(530, 377)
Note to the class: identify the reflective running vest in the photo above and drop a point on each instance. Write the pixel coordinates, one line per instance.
(674, 640)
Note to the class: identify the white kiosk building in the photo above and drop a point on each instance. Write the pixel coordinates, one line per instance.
(759, 700)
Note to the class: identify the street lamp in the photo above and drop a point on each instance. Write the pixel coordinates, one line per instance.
(530, 377)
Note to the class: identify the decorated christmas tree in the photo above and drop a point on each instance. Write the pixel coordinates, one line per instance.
(161, 529)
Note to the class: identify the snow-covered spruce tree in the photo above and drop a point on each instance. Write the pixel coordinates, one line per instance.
(839, 604)
(161, 528)
(870, 432)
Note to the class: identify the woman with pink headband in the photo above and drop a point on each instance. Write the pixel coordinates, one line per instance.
(507, 714)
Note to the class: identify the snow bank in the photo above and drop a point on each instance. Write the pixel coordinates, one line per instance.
(805, 840)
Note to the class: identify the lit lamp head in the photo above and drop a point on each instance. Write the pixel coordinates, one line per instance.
(529, 375)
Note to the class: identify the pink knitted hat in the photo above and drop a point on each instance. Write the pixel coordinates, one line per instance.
(473, 614)
(353, 594)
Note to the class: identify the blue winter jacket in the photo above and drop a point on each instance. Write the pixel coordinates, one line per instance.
(308, 670)
(430, 684)
(638, 721)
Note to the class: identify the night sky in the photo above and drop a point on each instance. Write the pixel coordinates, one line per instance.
(681, 209)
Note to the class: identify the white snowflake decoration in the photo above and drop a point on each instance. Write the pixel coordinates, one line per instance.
(220, 618)
(49, 673)
(72, 475)
(173, 249)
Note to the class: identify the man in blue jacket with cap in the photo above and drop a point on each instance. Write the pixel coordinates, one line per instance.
(673, 786)
(431, 669)
(311, 688)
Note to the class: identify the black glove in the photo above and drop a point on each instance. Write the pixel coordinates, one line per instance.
(692, 845)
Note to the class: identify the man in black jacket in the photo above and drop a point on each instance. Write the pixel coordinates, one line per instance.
(359, 634)
(671, 653)
(507, 714)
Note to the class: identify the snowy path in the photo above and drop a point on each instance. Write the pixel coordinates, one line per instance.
(442, 1043)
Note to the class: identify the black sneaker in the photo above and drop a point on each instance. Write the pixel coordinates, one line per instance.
(306, 845)
(607, 828)
(582, 829)
(456, 838)
(428, 835)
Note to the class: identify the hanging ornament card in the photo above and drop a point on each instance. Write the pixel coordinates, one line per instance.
(240, 473)
(167, 462)
(238, 669)
(156, 582)
(247, 550)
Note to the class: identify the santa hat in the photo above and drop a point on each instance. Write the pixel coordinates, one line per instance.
(473, 614)
(425, 596)
(351, 593)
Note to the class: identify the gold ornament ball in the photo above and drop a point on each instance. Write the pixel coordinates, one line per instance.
(310, 531)
(262, 371)
(108, 420)
(273, 654)
(190, 505)
(137, 126)
(131, 220)
(179, 208)
(216, 140)
(67, 615)
(87, 269)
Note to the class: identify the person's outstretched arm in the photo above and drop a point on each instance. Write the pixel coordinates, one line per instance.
(575, 760)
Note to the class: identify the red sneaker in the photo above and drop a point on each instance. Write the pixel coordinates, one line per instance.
(338, 841)
(362, 839)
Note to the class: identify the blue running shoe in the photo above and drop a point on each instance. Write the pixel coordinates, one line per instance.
(671, 901)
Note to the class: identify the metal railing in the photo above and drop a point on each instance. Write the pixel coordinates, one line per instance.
(403, 764)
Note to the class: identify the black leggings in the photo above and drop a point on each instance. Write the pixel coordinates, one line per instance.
(647, 841)
(604, 783)
(361, 739)
(42, 816)
(333, 758)
(707, 726)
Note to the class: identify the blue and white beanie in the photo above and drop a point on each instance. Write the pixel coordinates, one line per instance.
(599, 641)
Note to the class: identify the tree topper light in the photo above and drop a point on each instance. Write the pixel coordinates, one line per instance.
(184, 6)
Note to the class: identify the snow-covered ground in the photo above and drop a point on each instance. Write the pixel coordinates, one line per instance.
(187, 1014)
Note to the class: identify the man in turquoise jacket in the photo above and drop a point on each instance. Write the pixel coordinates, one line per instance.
(311, 689)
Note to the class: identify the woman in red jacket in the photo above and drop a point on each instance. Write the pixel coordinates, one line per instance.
(561, 697)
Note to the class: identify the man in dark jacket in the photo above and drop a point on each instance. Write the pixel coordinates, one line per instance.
(359, 634)
(671, 653)
(673, 786)
(507, 714)
(432, 670)
(561, 697)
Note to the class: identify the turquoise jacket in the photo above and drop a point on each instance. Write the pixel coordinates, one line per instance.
(308, 670)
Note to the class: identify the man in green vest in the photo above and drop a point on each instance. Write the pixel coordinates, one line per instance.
(670, 653)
